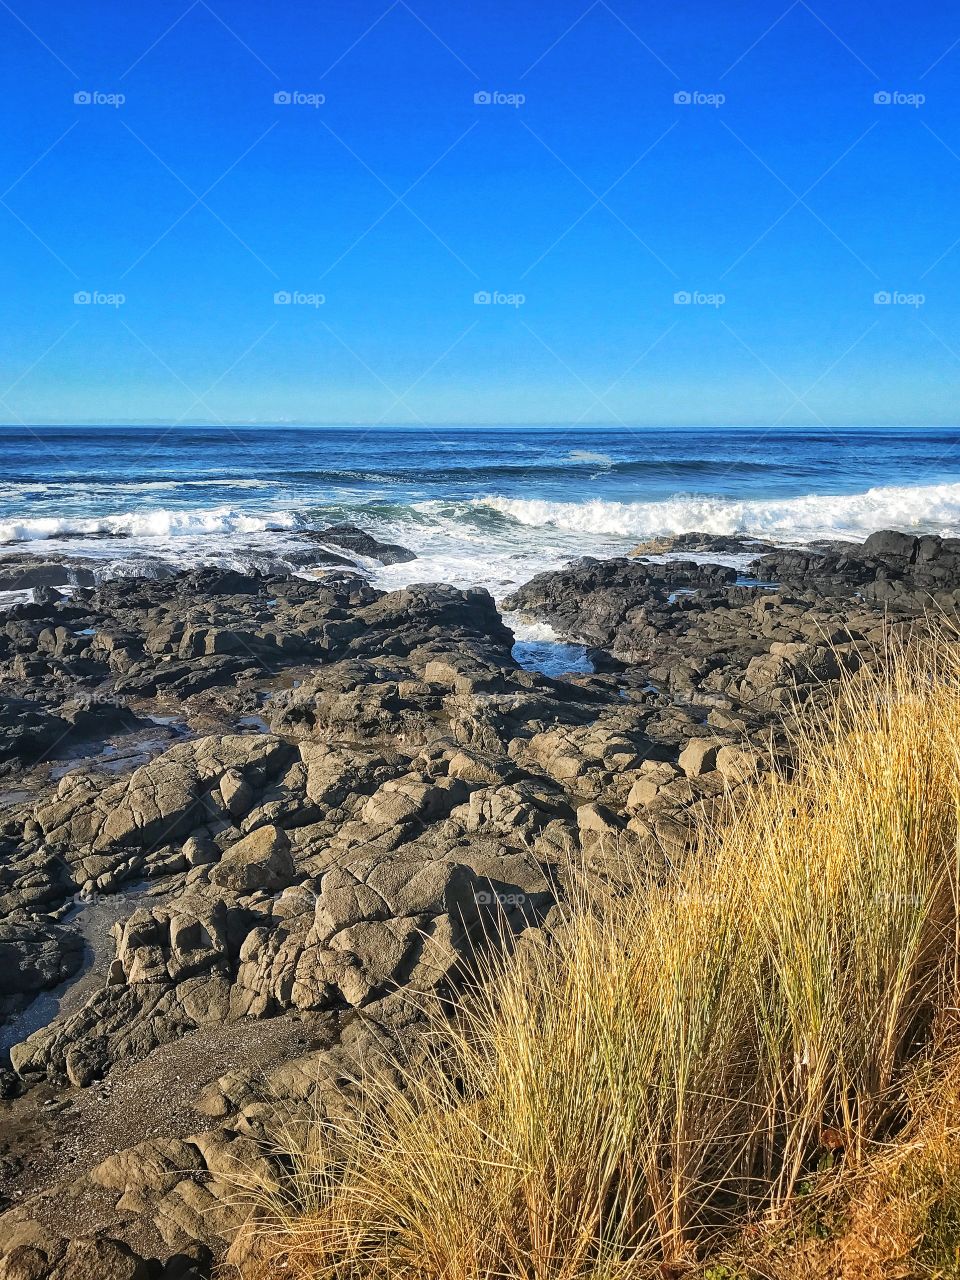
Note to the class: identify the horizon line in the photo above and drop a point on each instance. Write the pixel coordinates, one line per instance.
(275, 424)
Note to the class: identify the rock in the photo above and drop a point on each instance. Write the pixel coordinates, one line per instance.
(592, 600)
(25, 1262)
(261, 860)
(237, 793)
(175, 943)
(364, 544)
(699, 756)
(376, 951)
(645, 790)
(701, 542)
(100, 1258)
(602, 834)
(887, 542)
(34, 957)
(162, 801)
(28, 732)
(191, 1212)
(463, 674)
(21, 572)
(410, 799)
(392, 805)
(470, 766)
(157, 1164)
(28, 1251)
(199, 850)
(738, 764)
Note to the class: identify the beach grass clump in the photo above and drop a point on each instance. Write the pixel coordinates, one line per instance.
(693, 1062)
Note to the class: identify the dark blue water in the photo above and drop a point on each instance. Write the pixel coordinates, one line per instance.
(489, 505)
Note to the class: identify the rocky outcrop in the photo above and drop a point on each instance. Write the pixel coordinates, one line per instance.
(597, 600)
(702, 543)
(22, 572)
(34, 956)
(31, 1253)
(898, 570)
(349, 796)
(361, 543)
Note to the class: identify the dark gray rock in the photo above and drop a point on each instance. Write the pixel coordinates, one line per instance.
(34, 956)
(354, 539)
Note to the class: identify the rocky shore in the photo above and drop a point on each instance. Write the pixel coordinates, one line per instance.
(251, 824)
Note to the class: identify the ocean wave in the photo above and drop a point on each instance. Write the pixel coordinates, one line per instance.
(566, 466)
(588, 456)
(32, 488)
(921, 507)
(149, 523)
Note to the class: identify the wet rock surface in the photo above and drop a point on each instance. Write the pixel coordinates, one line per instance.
(702, 543)
(361, 543)
(295, 811)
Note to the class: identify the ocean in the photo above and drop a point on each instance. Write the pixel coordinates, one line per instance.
(486, 506)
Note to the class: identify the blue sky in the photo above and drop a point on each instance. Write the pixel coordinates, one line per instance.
(781, 210)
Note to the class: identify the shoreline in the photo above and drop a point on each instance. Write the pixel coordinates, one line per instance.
(299, 805)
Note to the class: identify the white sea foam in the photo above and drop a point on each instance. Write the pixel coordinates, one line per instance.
(457, 540)
(15, 490)
(526, 630)
(922, 507)
(157, 522)
(587, 455)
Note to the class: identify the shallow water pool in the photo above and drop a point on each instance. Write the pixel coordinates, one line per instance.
(553, 657)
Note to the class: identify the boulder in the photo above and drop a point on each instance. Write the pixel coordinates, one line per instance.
(699, 756)
(237, 793)
(738, 764)
(157, 1164)
(261, 860)
(351, 538)
(888, 542)
(34, 957)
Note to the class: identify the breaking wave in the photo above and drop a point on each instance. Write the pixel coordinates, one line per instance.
(927, 507)
(149, 523)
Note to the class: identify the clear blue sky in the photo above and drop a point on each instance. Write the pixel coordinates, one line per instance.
(400, 197)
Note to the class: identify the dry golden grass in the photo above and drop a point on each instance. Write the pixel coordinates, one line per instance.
(895, 1216)
(739, 1057)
